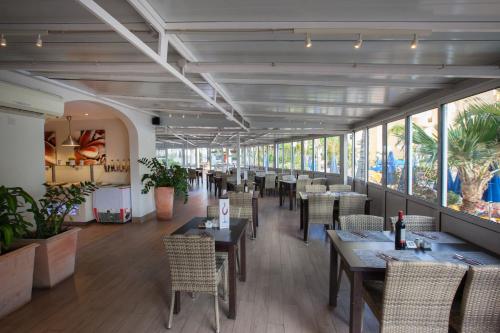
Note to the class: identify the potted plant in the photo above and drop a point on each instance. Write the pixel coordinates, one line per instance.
(166, 182)
(16, 263)
(55, 256)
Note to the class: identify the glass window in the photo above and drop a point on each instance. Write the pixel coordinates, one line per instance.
(216, 158)
(270, 156)
(280, 156)
(424, 155)
(203, 157)
(350, 157)
(308, 155)
(375, 170)
(255, 158)
(396, 138)
(174, 156)
(319, 155)
(333, 154)
(472, 155)
(260, 156)
(232, 158)
(190, 158)
(287, 155)
(360, 154)
(297, 155)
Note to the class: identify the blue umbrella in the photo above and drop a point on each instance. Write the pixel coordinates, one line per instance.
(457, 185)
(333, 165)
(450, 181)
(391, 168)
(492, 193)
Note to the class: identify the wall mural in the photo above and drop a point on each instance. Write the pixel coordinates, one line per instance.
(92, 148)
(50, 148)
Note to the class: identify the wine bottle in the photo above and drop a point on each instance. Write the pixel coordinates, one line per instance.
(245, 187)
(400, 237)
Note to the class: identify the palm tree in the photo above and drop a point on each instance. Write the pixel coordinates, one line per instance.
(473, 148)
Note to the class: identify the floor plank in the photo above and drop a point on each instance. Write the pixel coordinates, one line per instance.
(121, 282)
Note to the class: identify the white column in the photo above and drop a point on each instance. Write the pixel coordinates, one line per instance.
(238, 168)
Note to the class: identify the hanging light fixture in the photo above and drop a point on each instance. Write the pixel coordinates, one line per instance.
(308, 40)
(414, 42)
(3, 41)
(70, 141)
(39, 42)
(359, 42)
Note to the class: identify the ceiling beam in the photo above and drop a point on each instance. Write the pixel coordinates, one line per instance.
(119, 77)
(334, 82)
(140, 68)
(311, 103)
(442, 26)
(303, 115)
(104, 16)
(452, 71)
(151, 15)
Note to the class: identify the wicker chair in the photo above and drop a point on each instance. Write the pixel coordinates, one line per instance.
(303, 176)
(479, 309)
(192, 176)
(213, 212)
(416, 223)
(340, 188)
(270, 182)
(415, 297)
(194, 267)
(352, 205)
(301, 186)
(319, 181)
(320, 209)
(244, 202)
(361, 222)
(315, 188)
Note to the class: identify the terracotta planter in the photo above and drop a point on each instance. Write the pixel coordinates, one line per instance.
(55, 258)
(164, 200)
(16, 278)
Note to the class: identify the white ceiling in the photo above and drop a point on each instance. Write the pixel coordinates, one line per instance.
(230, 37)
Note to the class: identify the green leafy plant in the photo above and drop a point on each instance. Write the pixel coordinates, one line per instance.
(57, 202)
(14, 204)
(161, 175)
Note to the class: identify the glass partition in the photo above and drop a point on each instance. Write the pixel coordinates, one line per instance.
(297, 155)
(203, 157)
(174, 156)
(270, 156)
(424, 155)
(287, 155)
(360, 154)
(350, 155)
(190, 158)
(396, 159)
(333, 154)
(216, 158)
(319, 155)
(308, 155)
(471, 179)
(260, 156)
(279, 148)
(375, 169)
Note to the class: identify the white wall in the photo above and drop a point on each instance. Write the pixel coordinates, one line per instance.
(141, 132)
(22, 152)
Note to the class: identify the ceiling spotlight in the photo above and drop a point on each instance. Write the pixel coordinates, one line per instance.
(39, 41)
(414, 42)
(3, 41)
(183, 116)
(308, 40)
(359, 42)
(170, 115)
(85, 114)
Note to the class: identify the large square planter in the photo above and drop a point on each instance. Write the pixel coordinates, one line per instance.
(55, 258)
(16, 278)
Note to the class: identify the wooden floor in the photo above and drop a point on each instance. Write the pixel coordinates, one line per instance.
(121, 276)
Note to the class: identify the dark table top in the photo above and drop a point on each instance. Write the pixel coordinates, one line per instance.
(336, 195)
(346, 250)
(221, 236)
(288, 181)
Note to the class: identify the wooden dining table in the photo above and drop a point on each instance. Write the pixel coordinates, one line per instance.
(289, 187)
(226, 240)
(304, 208)
(359, 258)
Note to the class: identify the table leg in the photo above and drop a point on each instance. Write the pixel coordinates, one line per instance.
(177, 303)
(290, 197)
(333, 275)
(306, 221)
(367, 207)
(301, 214)
(280, 190)
(243, 257)
(356, 307)
(232, 282)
